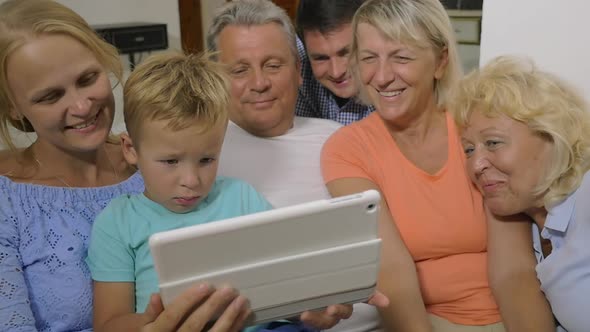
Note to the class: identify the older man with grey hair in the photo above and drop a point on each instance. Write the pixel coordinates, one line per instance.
(266, 144)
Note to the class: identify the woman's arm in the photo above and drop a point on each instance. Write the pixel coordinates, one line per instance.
(114, 310)
(513, 279)
(397, 278)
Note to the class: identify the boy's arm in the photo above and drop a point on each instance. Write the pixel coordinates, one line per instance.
(114, 307)
(513, 279)
(111, 261)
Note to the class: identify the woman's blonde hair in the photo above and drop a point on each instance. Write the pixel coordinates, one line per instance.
(184, 90)
(515, 87)
(24, 20)
(420, 23)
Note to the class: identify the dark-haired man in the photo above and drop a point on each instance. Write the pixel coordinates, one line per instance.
(328, 90)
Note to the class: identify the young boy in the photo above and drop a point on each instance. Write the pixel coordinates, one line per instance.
(176, 117)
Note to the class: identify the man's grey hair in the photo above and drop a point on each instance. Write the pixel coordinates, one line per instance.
(250, 13)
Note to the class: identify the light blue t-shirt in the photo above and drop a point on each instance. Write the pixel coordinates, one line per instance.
(119, 249)
(565, 273)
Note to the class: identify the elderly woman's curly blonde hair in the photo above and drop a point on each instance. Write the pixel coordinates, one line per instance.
(515, 87)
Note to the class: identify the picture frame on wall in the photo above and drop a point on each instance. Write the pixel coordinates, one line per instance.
(467, 29)
(463, 4)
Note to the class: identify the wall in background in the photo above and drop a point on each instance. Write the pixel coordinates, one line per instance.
(553, 33)
(208, 8)
(116, 11)
(466, 24)
(469, 55)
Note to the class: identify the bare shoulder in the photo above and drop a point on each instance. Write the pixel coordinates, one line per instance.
(9, 163)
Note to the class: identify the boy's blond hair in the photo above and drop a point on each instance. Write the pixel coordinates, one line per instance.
(182, 89)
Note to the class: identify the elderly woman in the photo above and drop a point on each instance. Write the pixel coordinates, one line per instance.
(432, 221)
(526, 135)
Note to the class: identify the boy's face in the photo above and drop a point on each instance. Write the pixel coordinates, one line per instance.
(178, 167)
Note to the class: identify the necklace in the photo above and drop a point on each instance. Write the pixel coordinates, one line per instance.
(81, 202)
(64, 182)
(84, 202)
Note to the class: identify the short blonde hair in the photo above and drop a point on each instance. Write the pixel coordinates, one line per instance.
(182, 89)
(515, 87)
(24, 20)
(420, 23)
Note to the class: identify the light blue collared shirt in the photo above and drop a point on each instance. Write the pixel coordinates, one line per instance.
(565, 274)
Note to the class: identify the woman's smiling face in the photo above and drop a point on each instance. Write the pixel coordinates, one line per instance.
(399, 79)
(62, 89)
(506, 160)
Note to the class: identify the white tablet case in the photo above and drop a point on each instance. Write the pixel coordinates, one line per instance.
(285, 261)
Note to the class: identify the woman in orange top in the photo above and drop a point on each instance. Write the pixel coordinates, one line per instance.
(432, 221)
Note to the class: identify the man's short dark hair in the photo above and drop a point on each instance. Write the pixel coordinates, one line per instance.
(325, 15)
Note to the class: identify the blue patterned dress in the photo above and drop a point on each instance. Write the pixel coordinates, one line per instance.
(45, 284)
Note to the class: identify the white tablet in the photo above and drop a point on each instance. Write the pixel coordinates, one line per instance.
(285, 261)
